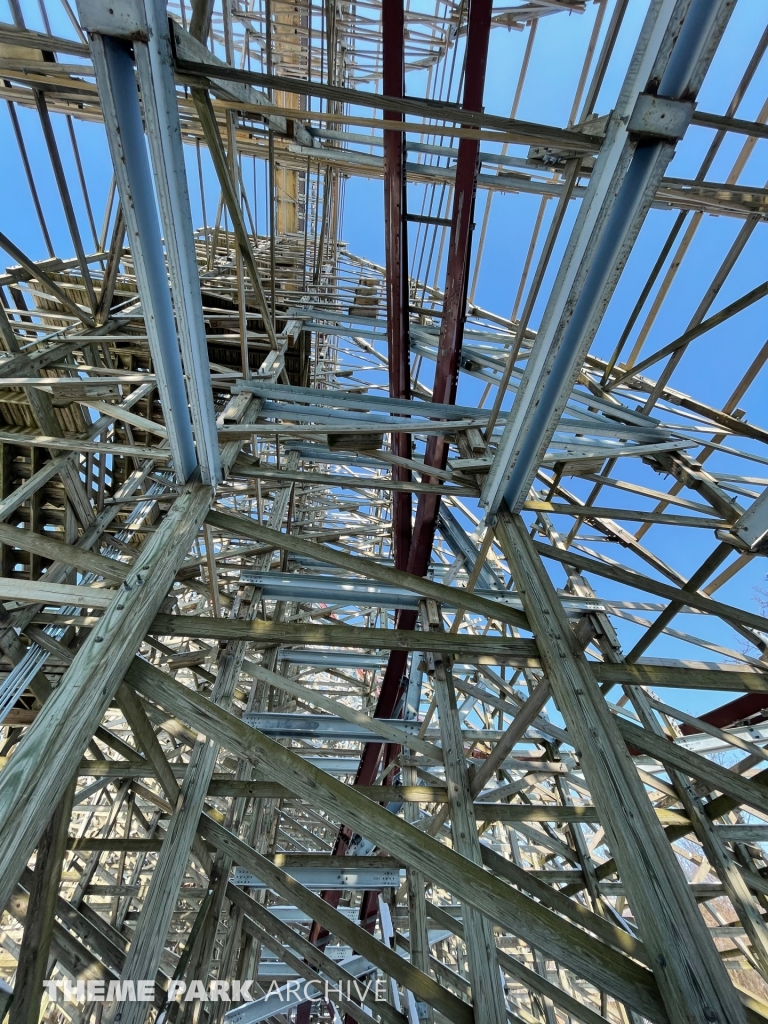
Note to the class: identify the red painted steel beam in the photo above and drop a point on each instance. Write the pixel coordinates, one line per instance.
(448, 354)
(398, 346)
(396, 245)
(449, 350)
(446, 370)
(752, 708)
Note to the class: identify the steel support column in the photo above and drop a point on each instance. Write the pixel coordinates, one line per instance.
(675, 49)
(396, 243)
(174, 316)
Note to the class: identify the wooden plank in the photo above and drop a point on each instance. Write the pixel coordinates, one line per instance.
(691, 977)
(40, 592)
(378, 727)
(727, 677)
(271, 926)
(149, 938)
(624, 515)
(32, 784)
(278, 634)
(348, 481)
(48, 547)
(590, 959)
(239, 526)
(76, 444)
(531, 980)
(524, 131)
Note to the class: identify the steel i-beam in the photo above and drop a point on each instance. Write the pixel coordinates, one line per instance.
(174, 315)
(396, 243)
(654, 109)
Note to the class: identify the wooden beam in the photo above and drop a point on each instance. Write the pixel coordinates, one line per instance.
(379, 727)
(487, 992)
(728, 677)
(636, 580)
(40, 592)
(746, 791)
(278, 634)
(593, 960)
(691, 977)
(41, 911)
(48, 547)
(239, 526)
(51, 749)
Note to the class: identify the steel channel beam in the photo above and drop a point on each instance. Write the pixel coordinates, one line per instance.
(125, 134)
(346, 590)
(154, 63)
(627, 173)
(306, 726)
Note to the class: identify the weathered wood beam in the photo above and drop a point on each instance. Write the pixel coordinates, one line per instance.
(350, 482)
(594, 960)
(727, 677)
(239, 526)
(487, 993)
(231, 199)
(48, 547)
(32, 784)
(41, 912)
(379, 727)
(530, 979)
(690, 974)
(40, 592)
(524, 131)
(636, 580)
(159, 903)
(277, 634)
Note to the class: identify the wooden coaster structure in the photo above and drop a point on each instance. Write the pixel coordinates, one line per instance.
(341, 635)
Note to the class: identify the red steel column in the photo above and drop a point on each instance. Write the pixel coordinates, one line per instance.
(396, 244)
(448, 353)
(449, 347)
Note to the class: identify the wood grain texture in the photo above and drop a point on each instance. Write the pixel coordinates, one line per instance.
(690, 974)
(593, 960)
(33, 781)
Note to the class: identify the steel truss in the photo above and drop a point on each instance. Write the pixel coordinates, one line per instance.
(333, 605)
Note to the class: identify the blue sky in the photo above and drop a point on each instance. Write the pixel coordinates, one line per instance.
(712, 365)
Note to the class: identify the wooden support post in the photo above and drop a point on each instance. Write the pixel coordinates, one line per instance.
(6, 488)
(487, 991)
(48, 755)
(691, 976)
(151, 932)
(35, 508)
(31, 970)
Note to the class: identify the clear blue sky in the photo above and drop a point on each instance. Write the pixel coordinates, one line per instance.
(712, 365)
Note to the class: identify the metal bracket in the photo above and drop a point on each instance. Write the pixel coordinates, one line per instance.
(123, 19)
(659, 117)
